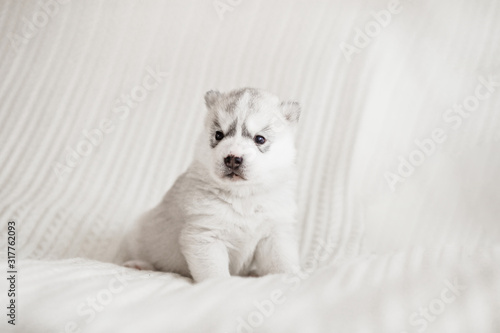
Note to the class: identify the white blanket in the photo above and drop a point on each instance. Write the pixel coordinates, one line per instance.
(100, 102)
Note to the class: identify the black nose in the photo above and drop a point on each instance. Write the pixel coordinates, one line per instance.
(233, 162)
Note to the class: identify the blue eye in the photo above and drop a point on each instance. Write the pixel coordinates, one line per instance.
(219, 135)
(259, 139)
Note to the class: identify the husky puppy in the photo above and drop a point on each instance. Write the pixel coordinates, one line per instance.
(233, 211)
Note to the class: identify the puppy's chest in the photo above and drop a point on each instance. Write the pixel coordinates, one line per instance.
(245, 207)
(254, 209)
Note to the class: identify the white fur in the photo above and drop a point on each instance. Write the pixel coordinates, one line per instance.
(211, 226)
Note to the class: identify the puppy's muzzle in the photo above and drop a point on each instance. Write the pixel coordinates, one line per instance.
(233, 162)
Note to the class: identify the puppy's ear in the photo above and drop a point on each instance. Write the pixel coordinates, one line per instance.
(291, 111)
(211, 98)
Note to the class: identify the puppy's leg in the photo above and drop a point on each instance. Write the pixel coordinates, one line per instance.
(207, 257)
(276, 254)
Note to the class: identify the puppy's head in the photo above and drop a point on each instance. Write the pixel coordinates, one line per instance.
(248, 137)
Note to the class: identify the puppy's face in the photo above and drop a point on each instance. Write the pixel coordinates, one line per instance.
(249, 136)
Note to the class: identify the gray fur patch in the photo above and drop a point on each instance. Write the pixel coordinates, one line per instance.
(245, 132)
(232, 129)
(231, 107)
(234, 98)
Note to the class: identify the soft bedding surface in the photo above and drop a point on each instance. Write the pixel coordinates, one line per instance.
(100, 103)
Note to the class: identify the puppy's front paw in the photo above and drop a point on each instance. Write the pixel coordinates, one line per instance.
(276, 255)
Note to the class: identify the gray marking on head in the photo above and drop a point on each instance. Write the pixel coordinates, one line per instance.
(245, 132)
(232, 129)
(254, 95)
(234, 98)
(231, 107)
(215, 125)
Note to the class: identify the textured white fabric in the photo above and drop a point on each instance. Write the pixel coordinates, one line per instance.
(387, 252)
